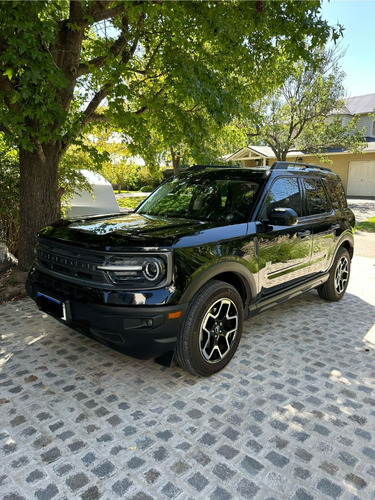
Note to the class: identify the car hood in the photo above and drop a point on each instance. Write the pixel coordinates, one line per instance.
(125, 230)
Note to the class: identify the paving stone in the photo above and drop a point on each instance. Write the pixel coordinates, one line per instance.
(77, 446)
(47, 493)
(304, 455)
(135, 463)
(329, 468)
(363, 434)
(302, 494)
(347, 458)
(202, 458)
(277, 459)
(223, 472)
(152, 476)
(180, 467)
(287, 419)
(276, 481)
(321, 429)
(35, 476)
(247, 489)
(355, 480)
(170, 490)
(77, 481)
(63, 469)
(254, 446)
(104, 470)
(164, 435)
(160, 454)
(51, 455)
(92, 493)
(301, 473)
(198, 481)
(277, 424)
(330, 489)
(14, 496)
(227, 452)
(369, 452)
(251, 466)
(114, 421)
(120, 487)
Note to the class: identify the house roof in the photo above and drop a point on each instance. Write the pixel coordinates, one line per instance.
(369, 148)
(358, 105)
(253, 152)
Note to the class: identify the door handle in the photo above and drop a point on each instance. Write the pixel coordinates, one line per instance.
(304, 233)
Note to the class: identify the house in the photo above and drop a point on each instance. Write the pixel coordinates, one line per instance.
(357, 171)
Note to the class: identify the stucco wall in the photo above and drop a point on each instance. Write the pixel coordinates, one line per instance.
(340, 163)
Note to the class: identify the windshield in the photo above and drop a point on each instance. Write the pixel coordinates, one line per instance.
(220, 198)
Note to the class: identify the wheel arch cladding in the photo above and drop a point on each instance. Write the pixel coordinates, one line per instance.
(232, 273)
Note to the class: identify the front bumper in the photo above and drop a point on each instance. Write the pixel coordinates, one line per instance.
(140, 331)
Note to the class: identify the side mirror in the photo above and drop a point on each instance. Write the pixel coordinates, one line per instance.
(283, 217)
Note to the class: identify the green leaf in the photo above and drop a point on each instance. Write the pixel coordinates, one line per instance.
(9, 73)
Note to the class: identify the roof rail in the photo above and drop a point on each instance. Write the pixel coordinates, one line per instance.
(203, 167)
(290, 164)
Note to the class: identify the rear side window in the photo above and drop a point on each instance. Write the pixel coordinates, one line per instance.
(316, 197)
(284, 193)
(336, 192)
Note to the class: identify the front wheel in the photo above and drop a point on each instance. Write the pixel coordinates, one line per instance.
(335, 287)
(212, 329)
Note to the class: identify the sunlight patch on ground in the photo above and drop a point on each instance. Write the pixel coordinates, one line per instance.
(370, 336)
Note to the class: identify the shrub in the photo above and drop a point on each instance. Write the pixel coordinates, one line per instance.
(9, 196)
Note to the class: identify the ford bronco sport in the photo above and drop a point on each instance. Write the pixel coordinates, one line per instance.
(208, 248)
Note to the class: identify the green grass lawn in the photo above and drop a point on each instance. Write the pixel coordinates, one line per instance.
(367, 225)
(130, 203)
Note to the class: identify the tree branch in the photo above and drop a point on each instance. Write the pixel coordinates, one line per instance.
(144, 108)
(118, 47)
(95, 101)
(4, 129)
(98, 62)
(5, 84)
(96, 118)
(110, 13)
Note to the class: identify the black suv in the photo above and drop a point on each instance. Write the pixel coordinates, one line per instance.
(205, 250)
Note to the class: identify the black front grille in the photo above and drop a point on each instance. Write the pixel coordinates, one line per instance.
(70, 261)
(62, 290)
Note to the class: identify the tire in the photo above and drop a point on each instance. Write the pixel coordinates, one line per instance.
(335, 287)
(212, 329)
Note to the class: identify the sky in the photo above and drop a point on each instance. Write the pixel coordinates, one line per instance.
(357, 17)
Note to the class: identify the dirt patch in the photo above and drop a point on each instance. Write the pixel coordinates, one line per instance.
(12, 285)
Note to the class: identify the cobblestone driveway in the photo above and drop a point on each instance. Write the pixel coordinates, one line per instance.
(292, 417)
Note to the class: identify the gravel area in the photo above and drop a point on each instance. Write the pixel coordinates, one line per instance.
(363, 209)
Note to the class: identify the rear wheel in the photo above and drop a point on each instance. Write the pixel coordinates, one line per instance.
(335, 287)
(212, 329)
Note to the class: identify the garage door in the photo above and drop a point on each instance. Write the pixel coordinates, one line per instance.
(361, 178)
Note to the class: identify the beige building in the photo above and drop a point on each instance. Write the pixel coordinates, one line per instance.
(357, 171)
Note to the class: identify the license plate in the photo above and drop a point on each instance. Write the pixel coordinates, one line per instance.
(51, 305)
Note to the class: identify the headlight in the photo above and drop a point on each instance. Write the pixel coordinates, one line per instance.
(140, 270)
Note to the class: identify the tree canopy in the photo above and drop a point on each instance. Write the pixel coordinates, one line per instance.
(60, 60)
(300, 114)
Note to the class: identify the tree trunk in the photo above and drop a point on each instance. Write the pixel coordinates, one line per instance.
(40, 201)
(176, 160)
(283, 155)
